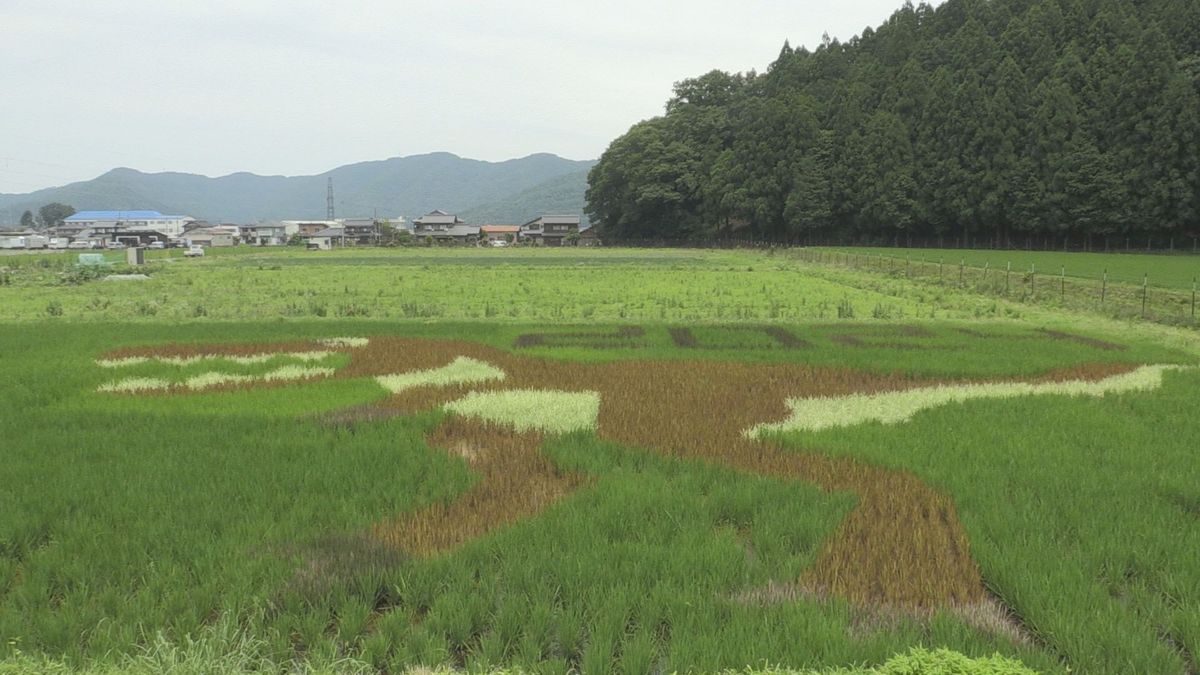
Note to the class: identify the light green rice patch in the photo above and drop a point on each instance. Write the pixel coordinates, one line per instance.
(133, 385)
(462, 370)
(815, 414)
(558, 412)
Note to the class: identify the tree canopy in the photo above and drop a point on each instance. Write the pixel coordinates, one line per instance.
(981, 120)
(53, 214)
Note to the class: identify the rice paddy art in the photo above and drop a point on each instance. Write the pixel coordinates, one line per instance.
(901, 546)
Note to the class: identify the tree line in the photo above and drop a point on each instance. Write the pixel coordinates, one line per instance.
(993, 121)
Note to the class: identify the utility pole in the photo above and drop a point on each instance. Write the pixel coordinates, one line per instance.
(329, 200)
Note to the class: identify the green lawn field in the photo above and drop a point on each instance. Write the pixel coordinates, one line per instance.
(241, 489)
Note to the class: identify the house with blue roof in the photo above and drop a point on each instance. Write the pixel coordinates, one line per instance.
(135, 221)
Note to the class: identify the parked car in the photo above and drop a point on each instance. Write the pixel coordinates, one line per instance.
(81, 245)
(157, 245)
(116, 245)
(194, 252)
(498, 243)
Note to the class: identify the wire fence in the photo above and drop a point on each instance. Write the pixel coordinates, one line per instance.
(1114, 297)
(1158, 244)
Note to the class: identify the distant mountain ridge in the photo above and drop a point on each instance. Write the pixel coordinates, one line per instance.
(564, 195)
(507, 191)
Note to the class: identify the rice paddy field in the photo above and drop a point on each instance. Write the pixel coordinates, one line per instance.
(1177, 271)
(586, 461)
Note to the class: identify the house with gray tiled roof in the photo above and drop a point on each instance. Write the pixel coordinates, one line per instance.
(445, 227)
(550, 230)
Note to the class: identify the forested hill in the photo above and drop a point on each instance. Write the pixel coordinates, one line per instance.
(984, 120)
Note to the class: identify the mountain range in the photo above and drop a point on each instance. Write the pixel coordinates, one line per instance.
(511, 191)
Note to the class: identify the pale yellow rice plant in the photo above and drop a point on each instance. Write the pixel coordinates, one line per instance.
(133, 385)
(307, 357)
(351, 342)
(295, 373)
(121, 363)
(558, 412)
(215, 379)
(462, 370)
(815, 414)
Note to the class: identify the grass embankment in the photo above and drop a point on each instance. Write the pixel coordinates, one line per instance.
(123, 515)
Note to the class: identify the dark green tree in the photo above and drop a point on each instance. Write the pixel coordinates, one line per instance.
(53, 214)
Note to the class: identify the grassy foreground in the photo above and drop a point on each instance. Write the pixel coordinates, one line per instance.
(235, 529)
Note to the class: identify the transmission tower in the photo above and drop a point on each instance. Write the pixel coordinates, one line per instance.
(329, 200)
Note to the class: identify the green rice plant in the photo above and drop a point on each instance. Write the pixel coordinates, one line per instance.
(559, 412)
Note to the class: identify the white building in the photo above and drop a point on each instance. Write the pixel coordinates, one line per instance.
(145, 221)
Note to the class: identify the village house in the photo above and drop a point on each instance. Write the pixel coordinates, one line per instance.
(217, 236)
(589, 237)
(361, 231)
(326, 239)
(550, 230)
(268, 234)
(306, 228)
(445, 227)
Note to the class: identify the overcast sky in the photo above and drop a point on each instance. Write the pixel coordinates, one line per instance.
(301, 86)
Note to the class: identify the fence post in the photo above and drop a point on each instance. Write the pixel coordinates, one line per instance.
(1193, 300)
(1104, 288)
(941, 264)
(1032, 279)
(1062, 285)
(962, 266)
(1145, 282)
(1007, 276)
(986, 266)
